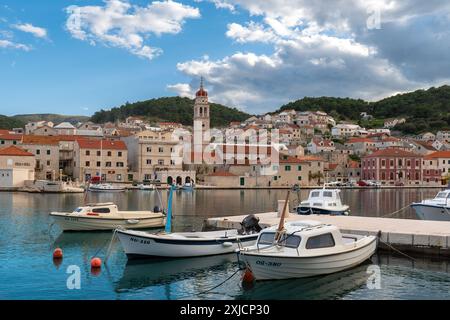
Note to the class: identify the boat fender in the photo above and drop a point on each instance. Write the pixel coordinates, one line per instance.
(132, 221)
(227, 244)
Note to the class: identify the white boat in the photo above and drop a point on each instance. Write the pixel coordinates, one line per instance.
(188, 186)
(305, 249)
(323, 201)
(106, 216)
(187, 244)
(146, 187)
(434, 209)
(138, 244)
(105, 187)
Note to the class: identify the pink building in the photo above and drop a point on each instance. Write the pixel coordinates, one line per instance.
(392, 167)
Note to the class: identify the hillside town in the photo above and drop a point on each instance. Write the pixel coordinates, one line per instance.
(306, 148)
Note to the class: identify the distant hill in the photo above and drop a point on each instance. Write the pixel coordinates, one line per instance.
(55, 118)
(425, 110)
(172, 109)
(9, 123)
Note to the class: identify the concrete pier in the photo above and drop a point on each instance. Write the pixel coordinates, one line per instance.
(431, 238)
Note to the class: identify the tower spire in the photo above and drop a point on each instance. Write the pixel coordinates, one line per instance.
(201, 82)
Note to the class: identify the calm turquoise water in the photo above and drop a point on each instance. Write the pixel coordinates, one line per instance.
(27, 270)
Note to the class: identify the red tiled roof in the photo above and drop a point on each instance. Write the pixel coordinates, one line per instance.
(353, 164)
(291, 159)
(10, 136)
(104, 144)
(15, 151)
(392, 152)
(221, 174)
(37, 139)
(438, 154)
(4, 132)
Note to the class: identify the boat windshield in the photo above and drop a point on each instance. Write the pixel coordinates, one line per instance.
(315, 194)
(441, 195)
(290, 241)
(78, 210)
(328, 194)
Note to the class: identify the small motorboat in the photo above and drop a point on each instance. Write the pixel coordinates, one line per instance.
(437, 208)
(105, 187)
(304, 249)
(106, 216)
(146, 187)
(323, 201)
(138, 244)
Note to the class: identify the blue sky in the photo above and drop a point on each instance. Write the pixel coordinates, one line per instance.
(255, 55)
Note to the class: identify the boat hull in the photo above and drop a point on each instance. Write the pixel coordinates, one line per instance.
(71, 223)
(279, 267)
(315, 210)
(431, 212)
(106, 190)
(141, 246)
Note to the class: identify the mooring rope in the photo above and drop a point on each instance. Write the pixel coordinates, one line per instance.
(397, 211)
(392, 247)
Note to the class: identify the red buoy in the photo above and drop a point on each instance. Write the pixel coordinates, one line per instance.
(248, 276)
(96, 263)
(57, 253)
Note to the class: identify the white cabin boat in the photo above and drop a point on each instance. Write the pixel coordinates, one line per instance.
(106, 216)
(305, 249)
(105, 187)
(323, 201)
(437, 208)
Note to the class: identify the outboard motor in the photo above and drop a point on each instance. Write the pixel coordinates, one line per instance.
(156, 209)
(250, 225)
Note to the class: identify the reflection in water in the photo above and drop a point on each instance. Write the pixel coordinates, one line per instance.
(27, 270)
(143, 273)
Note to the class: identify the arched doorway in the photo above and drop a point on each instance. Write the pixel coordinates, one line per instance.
(187, 180)
(179, 180)
(169, 181)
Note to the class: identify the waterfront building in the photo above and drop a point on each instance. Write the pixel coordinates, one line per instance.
(439, 160)
(16, 167)
(392, 166)
(100, 158)
(46, 152)
(150, 152)
(432, 172)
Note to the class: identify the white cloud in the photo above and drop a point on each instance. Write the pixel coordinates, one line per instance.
(14, 45)
(182, 89)
(121, 24)
(29, 28)
(326, 48)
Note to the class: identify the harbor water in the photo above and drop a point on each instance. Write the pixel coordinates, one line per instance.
(27, 240)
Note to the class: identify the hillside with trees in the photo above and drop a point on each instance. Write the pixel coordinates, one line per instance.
(424, 110)
(55, 118)
(9, 123)
(172, 109)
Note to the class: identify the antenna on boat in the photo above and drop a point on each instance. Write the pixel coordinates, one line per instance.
(283, 214)
(168, 228)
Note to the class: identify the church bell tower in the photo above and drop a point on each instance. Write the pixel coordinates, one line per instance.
(201, 111)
